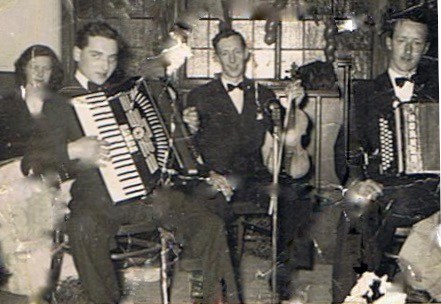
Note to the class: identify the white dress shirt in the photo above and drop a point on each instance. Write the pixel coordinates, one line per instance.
(405, 92)
(82, 79)
(236, 95)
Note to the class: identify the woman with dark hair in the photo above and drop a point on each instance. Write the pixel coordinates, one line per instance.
(27, 199)
(37, 63)
(38, 74)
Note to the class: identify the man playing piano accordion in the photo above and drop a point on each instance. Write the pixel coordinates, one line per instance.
(95, 218)
(391, 114)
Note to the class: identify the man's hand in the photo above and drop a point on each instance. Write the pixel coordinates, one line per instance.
(362, 192)
(90, 151)
(294, 92)
(191, 117)
(221, 184)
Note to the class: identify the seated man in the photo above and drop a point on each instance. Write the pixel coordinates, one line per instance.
(94, 218)
(229, 117)
(384, 197)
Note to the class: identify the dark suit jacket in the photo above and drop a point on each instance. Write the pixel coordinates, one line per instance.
(230, 142)
(88, 191)
(33, 138)
(16, 125)
(372, 101)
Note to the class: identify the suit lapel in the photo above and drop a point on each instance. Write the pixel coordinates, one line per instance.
(249, 109)
(383, 84)
(226, 103)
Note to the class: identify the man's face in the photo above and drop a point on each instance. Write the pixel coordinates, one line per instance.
(407, 45)
(38, 71)
(233, 56)
(98, 60)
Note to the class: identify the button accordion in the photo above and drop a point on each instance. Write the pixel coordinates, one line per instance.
(409, 141)
(139, 122)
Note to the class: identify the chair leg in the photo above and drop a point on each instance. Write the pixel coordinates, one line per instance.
(165, 282)
(240, 234)
(56, 266)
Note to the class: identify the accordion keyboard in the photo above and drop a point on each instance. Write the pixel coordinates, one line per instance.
(137, 142)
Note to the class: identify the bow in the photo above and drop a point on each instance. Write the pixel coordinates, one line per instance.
(232, 87)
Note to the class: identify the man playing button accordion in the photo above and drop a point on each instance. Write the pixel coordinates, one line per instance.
(395, 117)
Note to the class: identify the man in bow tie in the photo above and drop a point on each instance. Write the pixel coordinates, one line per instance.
(95, 218)
(386, 198)
(229, 117)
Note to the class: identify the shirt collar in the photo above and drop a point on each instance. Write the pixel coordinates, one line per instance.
(393, 74)
(81, 79)
(23, 92)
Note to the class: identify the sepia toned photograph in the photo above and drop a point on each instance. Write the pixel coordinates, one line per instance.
(219, 151)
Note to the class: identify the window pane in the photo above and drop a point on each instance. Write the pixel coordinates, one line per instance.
(197, 65)
(214, 66)
(261, 64)
(259, 35)
(199, 36)
(315, 35)
(213, 29)
(245, 27)
(311, 56)
(288, 57)
(292, 34)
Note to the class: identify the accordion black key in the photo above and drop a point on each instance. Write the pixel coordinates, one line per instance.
(409, 142)
(138, 120)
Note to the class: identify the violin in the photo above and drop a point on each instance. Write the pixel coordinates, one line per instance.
(296, 159)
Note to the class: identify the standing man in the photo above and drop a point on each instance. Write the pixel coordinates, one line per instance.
(229, 117)
(389, 199)
(94, 219)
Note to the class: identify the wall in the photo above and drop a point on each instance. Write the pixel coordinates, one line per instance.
(26, 22)
(136, 20)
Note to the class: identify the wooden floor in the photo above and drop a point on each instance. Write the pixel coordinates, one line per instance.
(315, 285)
(144, 285)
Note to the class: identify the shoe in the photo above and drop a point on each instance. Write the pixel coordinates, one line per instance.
(196, 281)
(284, 283)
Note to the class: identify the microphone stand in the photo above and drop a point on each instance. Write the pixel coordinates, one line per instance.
(273, 208)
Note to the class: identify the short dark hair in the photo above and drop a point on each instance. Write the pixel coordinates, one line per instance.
(94, 29)
(225, 34)
(56, 78)
(418, 15)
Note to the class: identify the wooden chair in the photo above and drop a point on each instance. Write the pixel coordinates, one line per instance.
(247, 213)
(134, 250)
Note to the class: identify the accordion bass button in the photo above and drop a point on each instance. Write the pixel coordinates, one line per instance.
(138, 133)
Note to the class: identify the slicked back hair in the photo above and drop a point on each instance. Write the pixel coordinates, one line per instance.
(225, 34)
(97, 29)
(419, 15)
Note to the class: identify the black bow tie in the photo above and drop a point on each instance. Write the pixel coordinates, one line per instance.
(240, 86)
(93, 87)
(400, 81)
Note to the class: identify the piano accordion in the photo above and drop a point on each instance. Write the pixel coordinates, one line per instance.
(409, 142)
(139, 123)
